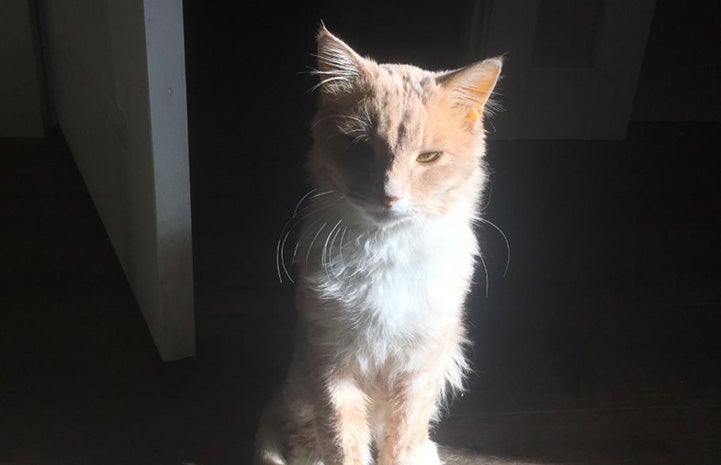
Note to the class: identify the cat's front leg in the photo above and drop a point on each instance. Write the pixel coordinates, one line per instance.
(413, 403)
(342, 424)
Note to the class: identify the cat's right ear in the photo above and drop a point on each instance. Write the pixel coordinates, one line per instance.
(340, 68)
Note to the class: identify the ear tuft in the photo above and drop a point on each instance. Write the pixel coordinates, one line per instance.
(471, 87)
(339, 66)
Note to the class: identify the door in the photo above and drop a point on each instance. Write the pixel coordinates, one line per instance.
(571, 66)
(117, 75)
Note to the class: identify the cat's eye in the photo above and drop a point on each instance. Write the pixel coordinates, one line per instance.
(428, 157)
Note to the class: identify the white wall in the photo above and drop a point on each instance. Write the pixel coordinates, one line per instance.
(22, 96)
(118, 78)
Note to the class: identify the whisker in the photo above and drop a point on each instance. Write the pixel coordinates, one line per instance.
(326, 81)
(353, 118)
(488, 197)
(295, 249)
(330, 249)
(285, 239)
(363, 137)
(277, 261)
(319, 120)
(310, 247)
(340, 247)
(279, 258)
(295, 211)
(508, 245)
(324, 254)
(280, 262)
(319, 194)
(309, 227)
(282, 251)
(488, 121)
(485, 271)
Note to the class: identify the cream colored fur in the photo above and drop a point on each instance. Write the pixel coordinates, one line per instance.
(385, 259)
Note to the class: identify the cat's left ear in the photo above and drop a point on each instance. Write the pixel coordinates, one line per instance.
(469, 88)
(340, 68)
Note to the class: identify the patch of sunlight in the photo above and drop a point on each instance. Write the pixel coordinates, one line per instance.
(455, 456)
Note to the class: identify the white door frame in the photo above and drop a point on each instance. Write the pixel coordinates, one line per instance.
(117, 72)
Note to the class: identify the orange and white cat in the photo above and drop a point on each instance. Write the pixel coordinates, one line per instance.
(385, 261)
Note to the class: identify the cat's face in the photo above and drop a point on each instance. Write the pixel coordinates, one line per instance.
(396, 141)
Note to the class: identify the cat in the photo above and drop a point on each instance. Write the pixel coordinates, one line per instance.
(386, 256)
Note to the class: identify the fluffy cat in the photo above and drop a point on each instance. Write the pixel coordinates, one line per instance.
(385, 259)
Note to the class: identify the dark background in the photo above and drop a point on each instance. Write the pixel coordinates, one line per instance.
(602, 344)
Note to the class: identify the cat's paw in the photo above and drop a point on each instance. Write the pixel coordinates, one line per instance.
(269, 458)
(426, 454)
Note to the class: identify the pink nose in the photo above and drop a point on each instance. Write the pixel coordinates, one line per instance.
(389, 200)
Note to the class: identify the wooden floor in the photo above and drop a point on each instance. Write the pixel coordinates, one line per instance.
(601, 345)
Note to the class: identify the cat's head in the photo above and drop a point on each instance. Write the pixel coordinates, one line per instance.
(396, 141)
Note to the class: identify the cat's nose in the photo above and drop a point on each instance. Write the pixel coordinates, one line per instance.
(389, 200)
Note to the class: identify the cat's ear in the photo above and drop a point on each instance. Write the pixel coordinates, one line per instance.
(470, 88)
(339, 67)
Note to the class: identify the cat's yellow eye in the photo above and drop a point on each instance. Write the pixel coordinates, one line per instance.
(428, 157)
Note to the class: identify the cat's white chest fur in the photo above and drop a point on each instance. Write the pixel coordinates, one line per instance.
(383, 292)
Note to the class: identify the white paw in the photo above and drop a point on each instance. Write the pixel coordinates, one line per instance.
(427, 454)
(270, 458)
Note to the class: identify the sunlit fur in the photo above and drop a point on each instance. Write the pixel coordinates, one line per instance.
(384, 260)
